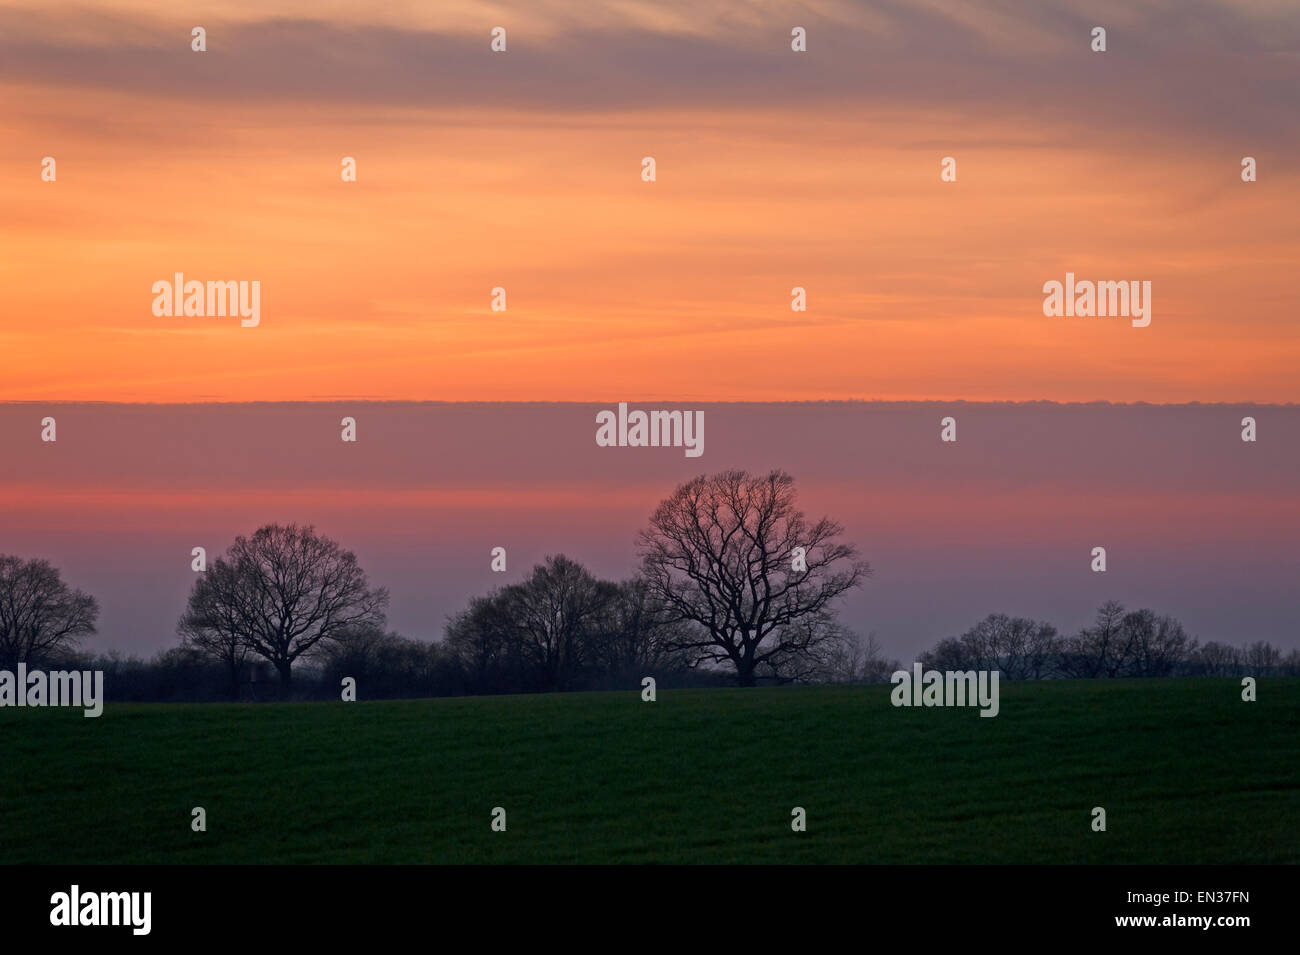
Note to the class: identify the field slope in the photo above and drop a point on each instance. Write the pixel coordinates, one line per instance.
(1186, 771)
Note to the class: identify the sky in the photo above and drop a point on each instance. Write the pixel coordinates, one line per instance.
(1196, 522)
(775, 169)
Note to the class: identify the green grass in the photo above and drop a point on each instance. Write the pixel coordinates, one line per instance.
(1187, 773)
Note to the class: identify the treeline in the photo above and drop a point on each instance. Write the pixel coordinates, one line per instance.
(564, 629)
(732, 578)
(734, 585)
(1119, 643)
(384, 666)
(478, 657)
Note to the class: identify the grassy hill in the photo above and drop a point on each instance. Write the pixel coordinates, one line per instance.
(1186, 772)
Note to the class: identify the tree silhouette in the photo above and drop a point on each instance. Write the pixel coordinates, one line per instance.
(720, 553)
(554, 615)
(1157, 643)
(1019, 648)
(637, 634)
(39, 613)
(214, 624)
(1101, 650)
(281, 591)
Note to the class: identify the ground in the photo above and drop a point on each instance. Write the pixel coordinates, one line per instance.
(1186, 771)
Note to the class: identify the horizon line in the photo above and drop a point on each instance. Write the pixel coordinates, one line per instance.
(661, 400)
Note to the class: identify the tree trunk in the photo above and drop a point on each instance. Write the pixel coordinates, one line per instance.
(745, 673)
(285, 667)
(234, 682)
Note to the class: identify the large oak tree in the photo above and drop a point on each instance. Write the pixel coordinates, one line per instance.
(279, 594)
(720, 553)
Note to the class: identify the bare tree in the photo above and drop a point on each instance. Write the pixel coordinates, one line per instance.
(1119, 644)
(39, 613)
(637, 634)
(284, 590)
(354, 650)
(481, 640)
(1156, 644)
(1100, 650)
(554, 614)
(1261, 658)
(382, 663)
(721, 554)
(213, 623)
(858, 659)
(1216, 659)
(1022, 649)
(543, 633)
(1290, 664)
(950, 653)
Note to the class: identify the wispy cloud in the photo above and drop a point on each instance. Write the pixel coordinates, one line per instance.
(1171, 69)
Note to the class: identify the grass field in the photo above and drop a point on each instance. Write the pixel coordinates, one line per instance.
(1187, 773)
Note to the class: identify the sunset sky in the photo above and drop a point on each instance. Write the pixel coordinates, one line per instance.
(775, 169)
(1196, 522)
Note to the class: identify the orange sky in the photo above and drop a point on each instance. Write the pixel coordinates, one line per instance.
(775, 169)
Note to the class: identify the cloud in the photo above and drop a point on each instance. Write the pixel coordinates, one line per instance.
(1207, 72)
